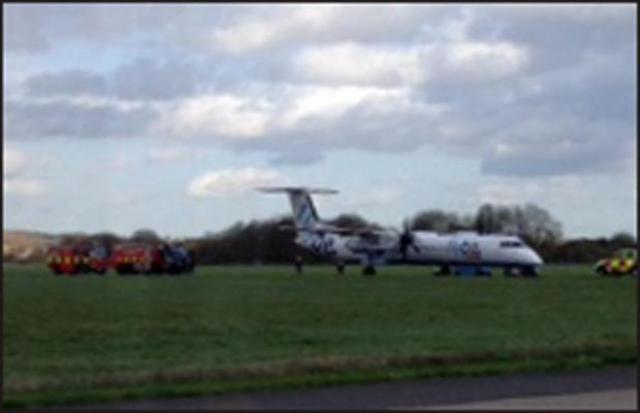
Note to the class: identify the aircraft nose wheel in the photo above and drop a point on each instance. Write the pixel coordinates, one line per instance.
(369, 270)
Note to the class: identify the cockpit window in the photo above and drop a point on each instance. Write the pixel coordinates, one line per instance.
(511, 244)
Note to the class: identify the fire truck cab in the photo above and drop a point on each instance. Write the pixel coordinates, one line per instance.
(157, 258)
(78, 258)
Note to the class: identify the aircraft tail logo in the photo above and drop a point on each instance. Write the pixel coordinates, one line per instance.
(305, 216)
(304, 213)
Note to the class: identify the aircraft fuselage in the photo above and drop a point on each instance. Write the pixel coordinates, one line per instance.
(428, 248)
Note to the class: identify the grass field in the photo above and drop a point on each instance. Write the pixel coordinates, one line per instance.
(225, 329)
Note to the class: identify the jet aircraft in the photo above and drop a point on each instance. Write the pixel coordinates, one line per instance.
(373, 247)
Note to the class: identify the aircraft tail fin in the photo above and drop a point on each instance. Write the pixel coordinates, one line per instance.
(305, 216)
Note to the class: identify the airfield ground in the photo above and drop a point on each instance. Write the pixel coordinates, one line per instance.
(225, 329)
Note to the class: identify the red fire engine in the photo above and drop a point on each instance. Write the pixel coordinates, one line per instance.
(136, 258)
(128, 258)
(156, 258)
(78, 258)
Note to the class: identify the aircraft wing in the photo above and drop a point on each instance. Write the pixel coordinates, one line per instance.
(361, 232)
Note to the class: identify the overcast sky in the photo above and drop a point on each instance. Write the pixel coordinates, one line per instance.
(119, 117)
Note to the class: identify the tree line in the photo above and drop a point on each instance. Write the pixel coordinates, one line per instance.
(271, 241)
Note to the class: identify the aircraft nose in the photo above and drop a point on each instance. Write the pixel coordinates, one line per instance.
(534, 258)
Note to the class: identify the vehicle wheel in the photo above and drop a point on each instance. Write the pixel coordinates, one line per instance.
(443, 271)
(529, 272)
(369, 270)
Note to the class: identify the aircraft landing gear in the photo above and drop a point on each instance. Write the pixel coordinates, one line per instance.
(443, 271)
(369, 270)
(340, 268)
(529, 272)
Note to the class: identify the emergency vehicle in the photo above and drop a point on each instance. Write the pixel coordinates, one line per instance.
(156, 258)
(79, 258)
(623, 262)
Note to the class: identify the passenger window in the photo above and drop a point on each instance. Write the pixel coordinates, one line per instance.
(511, 244)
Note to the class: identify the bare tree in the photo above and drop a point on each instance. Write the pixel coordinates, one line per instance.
(436, 220)
(145, 235)
(623, 239)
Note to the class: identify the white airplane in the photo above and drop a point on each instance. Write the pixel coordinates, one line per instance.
(373, 247)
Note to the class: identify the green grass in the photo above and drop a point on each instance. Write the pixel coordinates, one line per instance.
(240, 328)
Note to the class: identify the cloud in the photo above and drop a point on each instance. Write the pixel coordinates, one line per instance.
(217, 116)
(524, 90)
(481, 61)
(141, 79)
(570, 145)
(74, 119)
(357, 64)
(16, 180)
(260, 29)
(522, 190)
(145, 78)
(23, 29)
(39, 28)
(12, 162)
(308, 105)
(23, 187)
(66, 82)
(230, 182)
(221, 27)
(298, 115)
(454, 62)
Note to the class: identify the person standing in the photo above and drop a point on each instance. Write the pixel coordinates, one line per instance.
(298, 264)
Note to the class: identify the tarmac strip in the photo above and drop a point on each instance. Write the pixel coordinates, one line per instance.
(626, 399)
(611, 388)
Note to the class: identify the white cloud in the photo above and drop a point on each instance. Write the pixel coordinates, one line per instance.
(487, 82)
(329, 103)
(259, 30)
(227, 116)
(25, 187)
(15, 175)
(290, 109)
(245, 36)
(484, 60)
(378, 65)
(13, 161)
(359, 64)
(230, 182)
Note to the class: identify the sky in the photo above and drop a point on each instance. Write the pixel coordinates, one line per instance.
(126, 116)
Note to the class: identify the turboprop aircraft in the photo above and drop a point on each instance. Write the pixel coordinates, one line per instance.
(373, 247)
